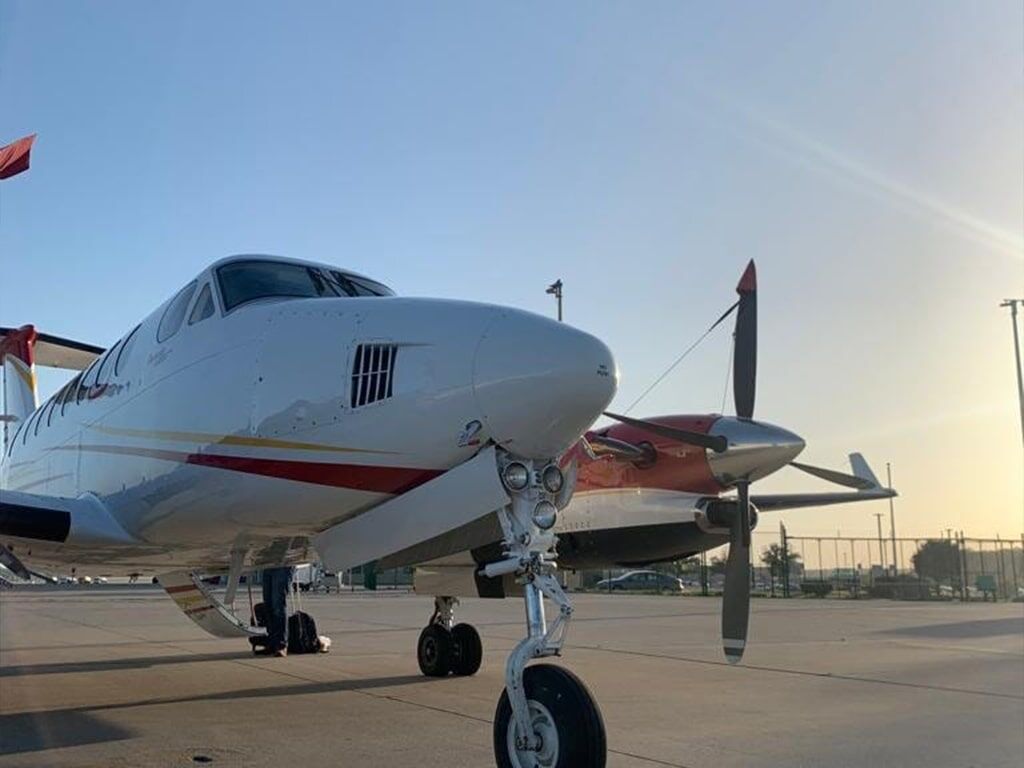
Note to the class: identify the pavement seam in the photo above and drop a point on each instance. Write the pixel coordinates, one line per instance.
(802, 672)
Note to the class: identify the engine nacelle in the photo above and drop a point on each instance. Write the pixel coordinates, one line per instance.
(718, 516)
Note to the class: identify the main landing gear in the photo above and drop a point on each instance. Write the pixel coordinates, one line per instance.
(446, 647)
(546, 717)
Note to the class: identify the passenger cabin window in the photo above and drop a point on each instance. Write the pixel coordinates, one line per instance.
(174, 315)
(203, 307)
(245, 281)
(107, 364)
(125, 352)
(69, 393)
(88, 380)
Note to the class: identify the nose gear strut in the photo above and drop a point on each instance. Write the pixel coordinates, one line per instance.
(530, 553)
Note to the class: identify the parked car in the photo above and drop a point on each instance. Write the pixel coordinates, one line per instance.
(642, 580)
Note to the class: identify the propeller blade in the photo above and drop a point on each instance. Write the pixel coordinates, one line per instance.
(839, 478)
(712, 442)
(736, 596)
(620, 449)
(744, 367)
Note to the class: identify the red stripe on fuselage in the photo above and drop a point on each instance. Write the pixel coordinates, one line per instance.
(357, 477)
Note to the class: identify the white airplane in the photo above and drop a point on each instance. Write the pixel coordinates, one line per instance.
(272, 408)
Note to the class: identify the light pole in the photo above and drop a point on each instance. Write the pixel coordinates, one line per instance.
(555, 289)
(1012, 304)
(892, 522)
(881, 544)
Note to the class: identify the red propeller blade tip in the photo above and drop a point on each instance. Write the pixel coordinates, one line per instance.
(748, 283)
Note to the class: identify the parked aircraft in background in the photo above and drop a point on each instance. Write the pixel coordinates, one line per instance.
(646, 491)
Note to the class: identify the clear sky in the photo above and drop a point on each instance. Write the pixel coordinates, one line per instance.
(869, 156)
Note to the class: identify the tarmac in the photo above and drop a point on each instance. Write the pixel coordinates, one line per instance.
(116, 676)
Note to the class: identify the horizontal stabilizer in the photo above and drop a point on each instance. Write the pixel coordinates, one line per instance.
(863, 480)
(57, 352)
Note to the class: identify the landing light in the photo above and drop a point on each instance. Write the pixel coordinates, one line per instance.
(552, 479)
(516, 476)
(544, 515)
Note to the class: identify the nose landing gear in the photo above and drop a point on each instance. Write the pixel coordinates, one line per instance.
(546, 717)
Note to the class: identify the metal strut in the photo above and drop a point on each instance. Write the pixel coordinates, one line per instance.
(444, 612)
(530, 554)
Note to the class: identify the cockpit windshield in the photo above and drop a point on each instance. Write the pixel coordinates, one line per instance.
(244, 281)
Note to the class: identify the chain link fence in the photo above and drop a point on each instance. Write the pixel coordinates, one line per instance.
(952, 567)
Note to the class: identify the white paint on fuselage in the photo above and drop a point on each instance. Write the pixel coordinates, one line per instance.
(270, 381)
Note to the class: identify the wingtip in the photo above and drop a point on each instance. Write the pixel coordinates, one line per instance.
(748, 282)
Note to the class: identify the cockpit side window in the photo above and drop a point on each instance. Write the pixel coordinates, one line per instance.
(361, 286)
(174, 315)
(204, 306)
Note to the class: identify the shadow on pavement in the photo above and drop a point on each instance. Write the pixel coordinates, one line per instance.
(36, 731)
(109, 665)
(963, 629)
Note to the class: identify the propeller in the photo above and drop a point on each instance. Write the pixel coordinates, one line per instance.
(744, 367)
(712, 442)
(736, 595)
(602, 444)
(839, 478)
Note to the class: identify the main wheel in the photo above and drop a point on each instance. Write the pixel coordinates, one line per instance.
(564, 716)
(467, 650)
(434, 651)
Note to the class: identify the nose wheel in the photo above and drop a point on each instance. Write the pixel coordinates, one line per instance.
(445, 649)
(566, 723)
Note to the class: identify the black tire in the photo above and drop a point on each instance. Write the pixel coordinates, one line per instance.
(467, 650)
(577, 720)
(434, 651)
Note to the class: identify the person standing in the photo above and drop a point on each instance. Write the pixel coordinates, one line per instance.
(276, 582)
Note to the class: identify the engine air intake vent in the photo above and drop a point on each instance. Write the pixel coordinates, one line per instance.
(373, 373)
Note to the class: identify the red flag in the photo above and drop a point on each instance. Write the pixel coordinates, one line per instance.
(14, 157)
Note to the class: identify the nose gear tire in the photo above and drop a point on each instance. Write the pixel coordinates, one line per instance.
(566, 719)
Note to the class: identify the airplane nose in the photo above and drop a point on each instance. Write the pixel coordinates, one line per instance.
(539, 384)
(755, 449)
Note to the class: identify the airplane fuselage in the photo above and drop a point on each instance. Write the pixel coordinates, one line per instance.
(266, 423)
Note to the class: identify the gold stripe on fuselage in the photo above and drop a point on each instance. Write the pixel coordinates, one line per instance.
(215, 439)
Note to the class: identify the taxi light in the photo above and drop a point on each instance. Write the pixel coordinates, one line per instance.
(516, 476)
(544, 515)
(552, 478)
